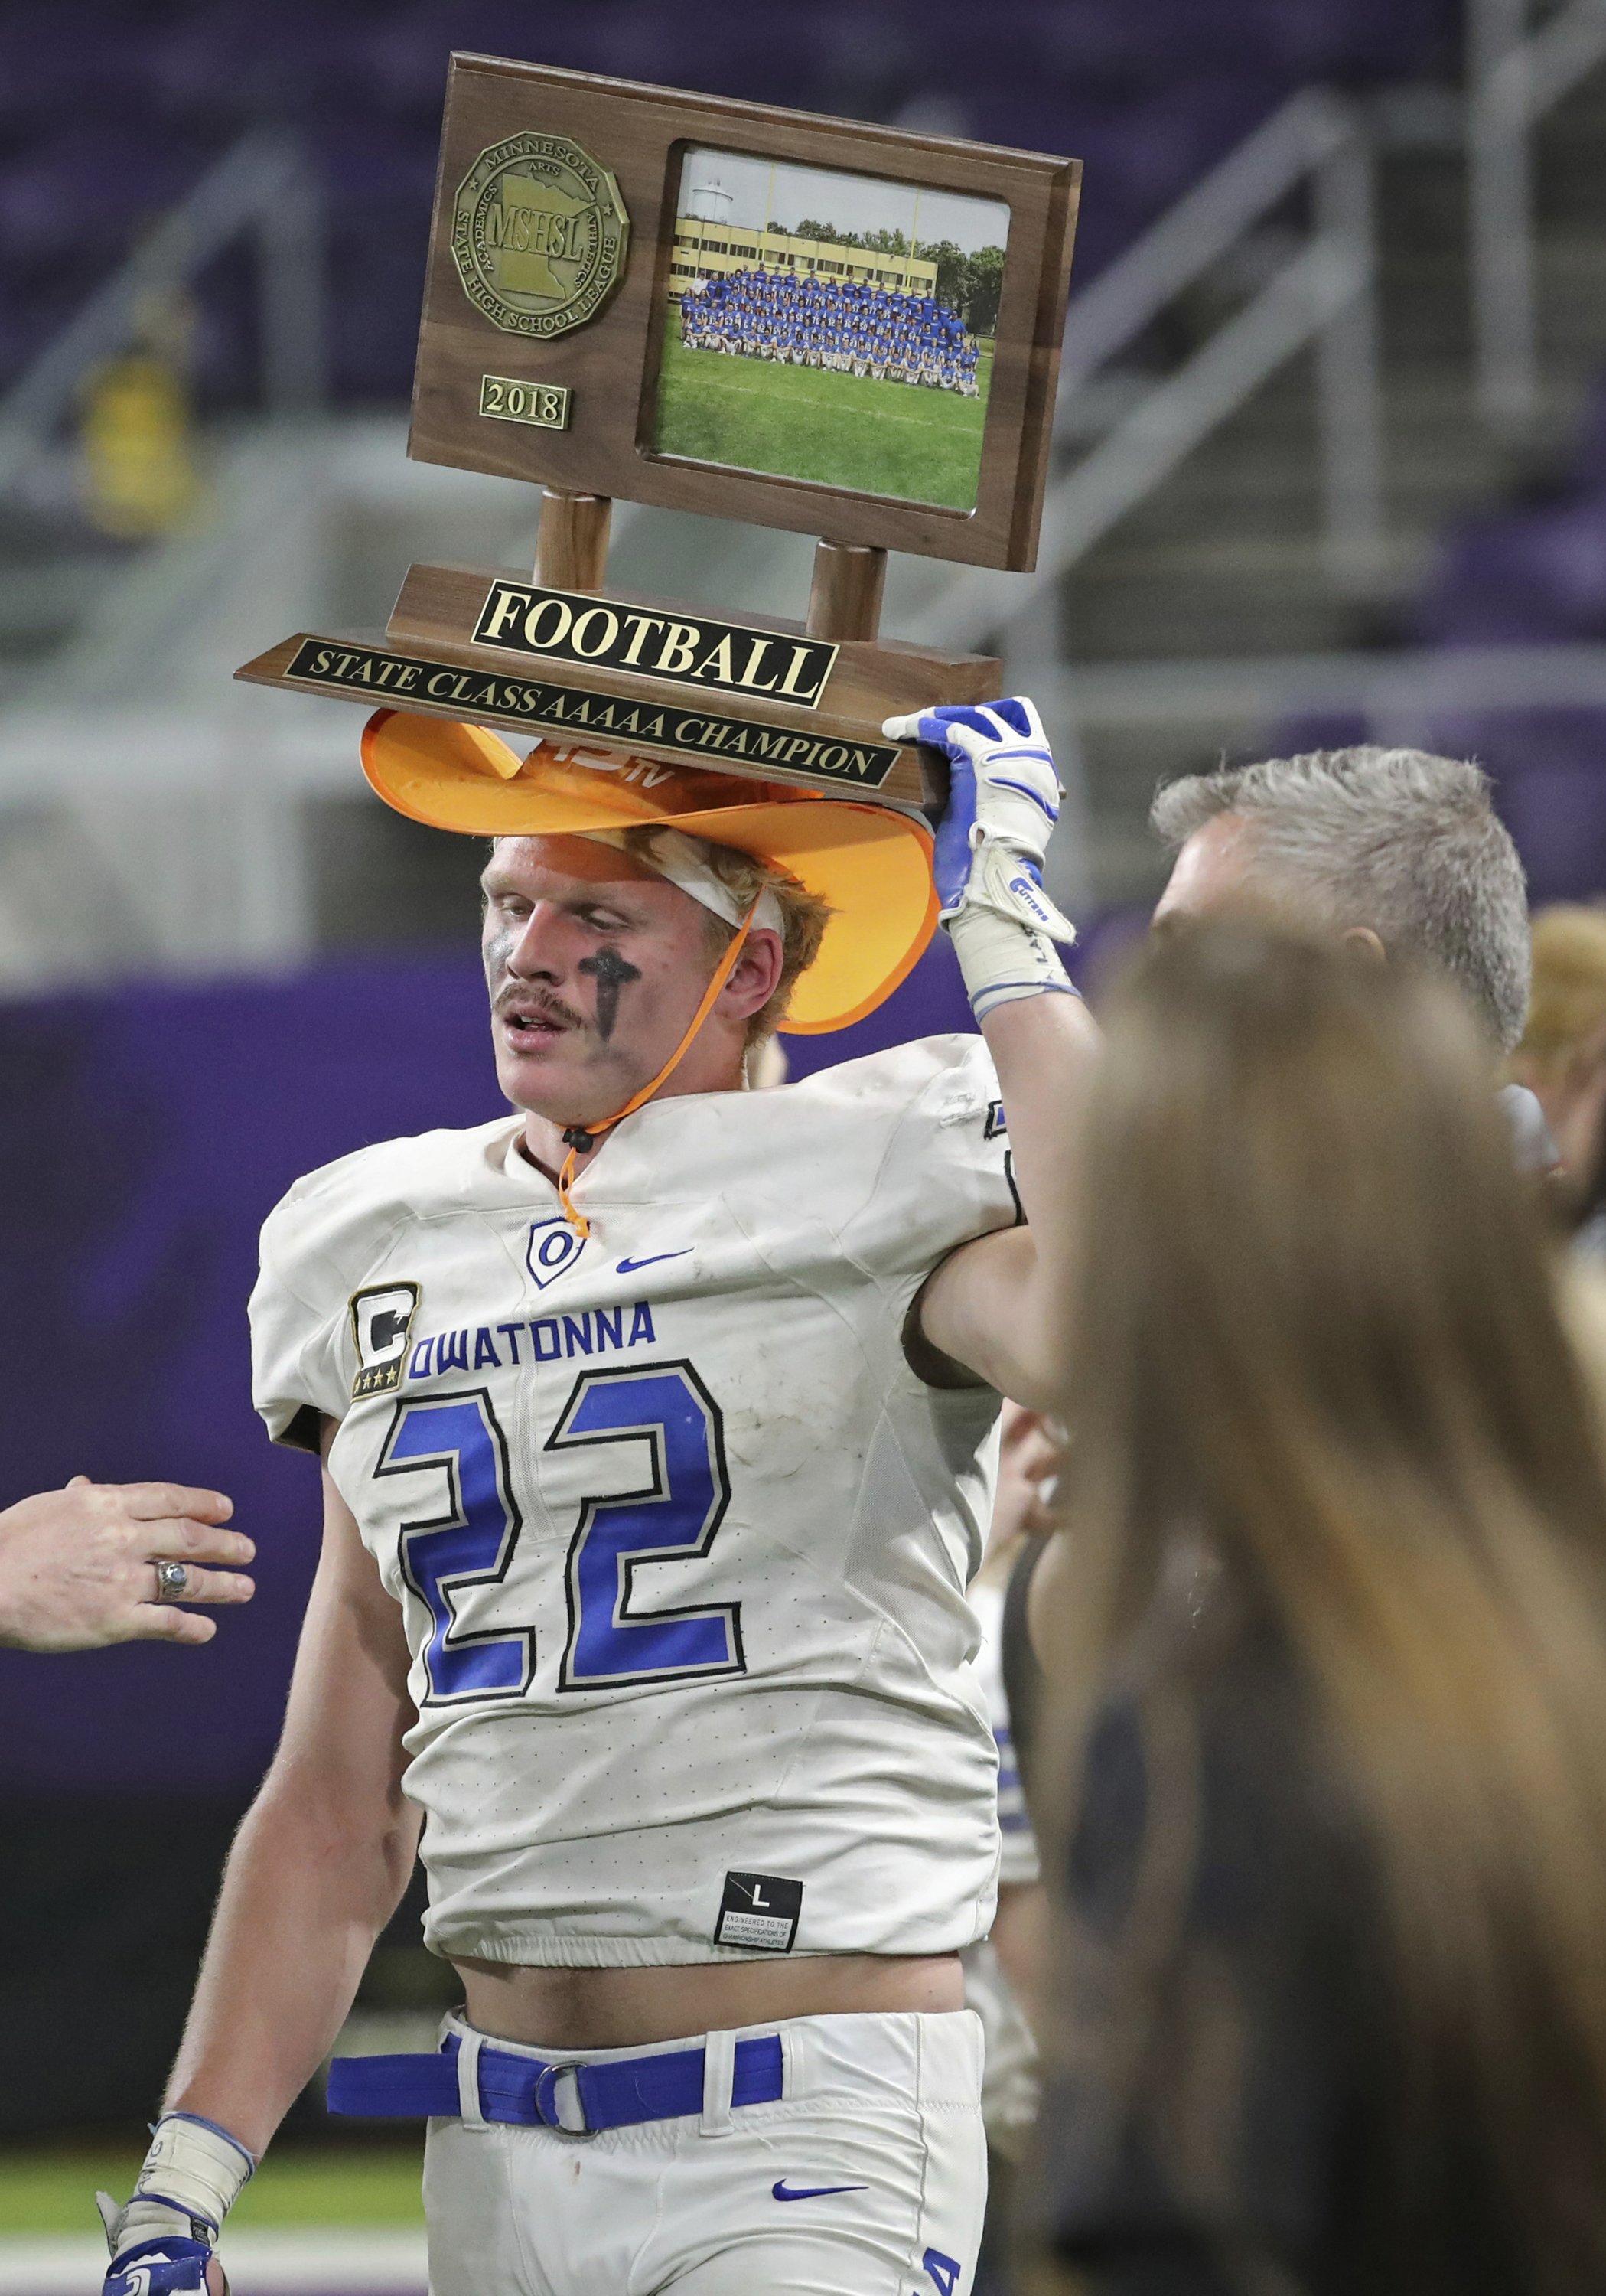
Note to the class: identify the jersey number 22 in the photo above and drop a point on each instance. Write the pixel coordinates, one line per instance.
(673, 1514)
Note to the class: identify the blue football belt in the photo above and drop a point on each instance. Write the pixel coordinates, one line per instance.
(566, 2094)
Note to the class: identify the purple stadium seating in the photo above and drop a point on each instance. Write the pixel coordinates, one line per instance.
(1550, 773)
(1523, 578)
(1549, 770)
(1530, 575)
(110, 108)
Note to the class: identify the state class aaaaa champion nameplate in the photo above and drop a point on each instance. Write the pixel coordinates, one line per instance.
(726, 656)
(444, 685)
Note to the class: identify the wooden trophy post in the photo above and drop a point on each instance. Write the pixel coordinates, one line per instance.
(571, 541)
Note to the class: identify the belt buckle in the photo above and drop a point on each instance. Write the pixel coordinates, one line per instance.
(549, 2103)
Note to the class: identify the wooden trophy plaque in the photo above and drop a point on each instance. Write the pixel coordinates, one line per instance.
(812, 324)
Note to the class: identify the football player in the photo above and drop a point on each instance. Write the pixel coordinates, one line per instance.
(656, 1421)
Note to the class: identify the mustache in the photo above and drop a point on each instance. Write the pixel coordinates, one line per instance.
(529, 995)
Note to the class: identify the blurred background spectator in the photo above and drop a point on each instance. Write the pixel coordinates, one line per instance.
(1328, 1645)
(1562, 1058)
(1328, 468)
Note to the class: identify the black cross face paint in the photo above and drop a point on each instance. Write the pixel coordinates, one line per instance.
(611, 973)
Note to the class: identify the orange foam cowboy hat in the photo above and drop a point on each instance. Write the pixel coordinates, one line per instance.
(870, 864)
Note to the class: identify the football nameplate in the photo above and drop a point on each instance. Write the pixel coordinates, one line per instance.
(565, 626)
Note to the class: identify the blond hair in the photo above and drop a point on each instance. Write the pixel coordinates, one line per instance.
(804, 917)
(1320, 1336)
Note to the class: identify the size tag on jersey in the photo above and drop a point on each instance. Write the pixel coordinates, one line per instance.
(758, 1912)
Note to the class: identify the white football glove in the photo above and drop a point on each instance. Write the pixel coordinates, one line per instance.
(1004, 800)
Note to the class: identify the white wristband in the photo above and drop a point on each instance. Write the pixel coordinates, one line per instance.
(196, 2166)
(1002, 960)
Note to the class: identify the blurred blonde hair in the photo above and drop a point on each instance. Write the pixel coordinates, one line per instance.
(1319, 1335)
(1567, 1001)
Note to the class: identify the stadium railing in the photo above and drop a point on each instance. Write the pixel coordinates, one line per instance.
(262, 189)
(1324, 296)
(1515, 76)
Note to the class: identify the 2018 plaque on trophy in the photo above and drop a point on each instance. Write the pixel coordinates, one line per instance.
(813, 323)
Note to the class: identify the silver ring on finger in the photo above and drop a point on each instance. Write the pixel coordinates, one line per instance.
(172, 1581)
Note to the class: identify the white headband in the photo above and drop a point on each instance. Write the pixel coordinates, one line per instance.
(680, 859)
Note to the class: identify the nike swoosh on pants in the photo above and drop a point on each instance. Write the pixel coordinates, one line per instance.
(783, 2192)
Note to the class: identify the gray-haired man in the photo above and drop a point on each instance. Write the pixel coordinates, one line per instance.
(1394, 849)
(1391, 847)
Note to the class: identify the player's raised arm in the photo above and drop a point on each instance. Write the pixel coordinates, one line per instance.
(1001, 1305)
(316, 1870)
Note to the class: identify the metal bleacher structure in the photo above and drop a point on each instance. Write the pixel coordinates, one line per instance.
(1341, 282)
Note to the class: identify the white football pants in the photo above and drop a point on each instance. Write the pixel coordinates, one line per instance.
(868, 2177)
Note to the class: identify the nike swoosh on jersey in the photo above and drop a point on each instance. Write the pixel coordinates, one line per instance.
(783, 2192)
(629, 1267)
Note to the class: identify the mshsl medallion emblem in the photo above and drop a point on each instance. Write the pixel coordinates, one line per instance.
(538, 236)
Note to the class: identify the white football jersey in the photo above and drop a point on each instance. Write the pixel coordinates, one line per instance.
(680, 1539)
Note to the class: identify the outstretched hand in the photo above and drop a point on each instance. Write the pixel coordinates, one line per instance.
(77, 1566)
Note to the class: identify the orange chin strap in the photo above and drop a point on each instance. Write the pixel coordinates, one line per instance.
(581, 1138)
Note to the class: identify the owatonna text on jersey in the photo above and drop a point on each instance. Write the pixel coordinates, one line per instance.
(680, 1538)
